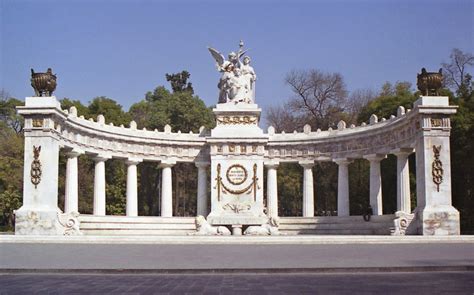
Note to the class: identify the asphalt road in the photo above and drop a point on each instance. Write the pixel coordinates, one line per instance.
(162, 257)
(341, 283)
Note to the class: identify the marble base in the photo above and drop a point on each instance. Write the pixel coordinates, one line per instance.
(46, 223)
(37, 222)
(438, 220)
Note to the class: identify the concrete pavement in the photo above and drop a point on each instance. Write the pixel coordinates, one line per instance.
(239, 255)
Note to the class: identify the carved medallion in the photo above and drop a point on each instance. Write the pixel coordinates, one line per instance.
(236, 174)
(35, 171)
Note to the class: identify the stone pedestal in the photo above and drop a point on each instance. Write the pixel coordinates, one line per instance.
(434, 213)
(237, 154)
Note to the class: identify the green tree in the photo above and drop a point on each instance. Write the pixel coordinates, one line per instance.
(82, 110)
(386, 104)
(11, 159)
(111, 110)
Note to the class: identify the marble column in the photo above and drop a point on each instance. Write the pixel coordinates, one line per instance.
(272, 188)
(343, 187)
(308, 189)
(202, 197)
(132, 187)
(71, 198)
(403, 179)
(375, 183)
(166, 189)
(99, 185)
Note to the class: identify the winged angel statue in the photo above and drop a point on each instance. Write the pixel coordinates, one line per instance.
(237, 83)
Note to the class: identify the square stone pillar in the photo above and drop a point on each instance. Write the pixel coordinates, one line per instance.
(435, 214)
(39, 213)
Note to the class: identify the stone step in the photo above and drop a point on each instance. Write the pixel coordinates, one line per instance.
(135, 219)
(380, 231)
(137, 232)
(116, 225)
(317, 226)
(336, 219)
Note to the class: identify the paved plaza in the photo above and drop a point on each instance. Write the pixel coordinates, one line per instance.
(338, 283)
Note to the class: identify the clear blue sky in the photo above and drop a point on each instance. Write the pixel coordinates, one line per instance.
(122, 49)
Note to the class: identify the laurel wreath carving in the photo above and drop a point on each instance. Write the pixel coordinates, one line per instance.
(35, 171)
(437, 167)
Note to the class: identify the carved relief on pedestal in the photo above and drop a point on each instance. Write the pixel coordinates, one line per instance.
(234, 120)
(236, 175)
(70, 223)
(35, 171)
(437, 167)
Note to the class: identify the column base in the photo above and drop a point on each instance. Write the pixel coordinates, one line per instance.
(440, 220)
(46, 223)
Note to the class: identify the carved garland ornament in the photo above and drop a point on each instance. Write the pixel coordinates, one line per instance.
(35, 171)
(437, 167)
(221, 186)
(233, 120)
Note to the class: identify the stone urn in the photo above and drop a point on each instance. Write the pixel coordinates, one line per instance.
(43, 83)
(429, 83)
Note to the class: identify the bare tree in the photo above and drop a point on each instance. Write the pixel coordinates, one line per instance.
(283, 119)
(455, 71)
(358, 99)
(321, 95)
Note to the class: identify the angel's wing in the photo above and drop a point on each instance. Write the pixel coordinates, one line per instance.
(217, 56)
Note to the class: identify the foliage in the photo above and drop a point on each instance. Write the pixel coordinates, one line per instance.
(386, 104)
(290, 189)
(111, 110)
(67, 103)
(11, 160)
(179, 82)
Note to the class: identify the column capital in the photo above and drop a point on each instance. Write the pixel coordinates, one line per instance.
(200, 164)
(73, 153)
(402, 151)
(342, 161)
(308, 164)
(101, 157)
(375, 157)
(167, 163)
(272, 164)
(133, 161)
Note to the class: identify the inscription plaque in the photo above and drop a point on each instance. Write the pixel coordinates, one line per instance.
(236, 174)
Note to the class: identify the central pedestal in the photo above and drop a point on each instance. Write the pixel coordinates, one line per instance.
(237, 154)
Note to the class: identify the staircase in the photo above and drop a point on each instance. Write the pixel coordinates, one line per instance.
(136, 226)
(180, 226)
(336, 225)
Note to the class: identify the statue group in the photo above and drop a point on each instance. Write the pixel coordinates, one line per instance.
(237, 83)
